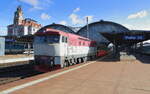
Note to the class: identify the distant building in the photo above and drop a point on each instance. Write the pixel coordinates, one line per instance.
(21, 26)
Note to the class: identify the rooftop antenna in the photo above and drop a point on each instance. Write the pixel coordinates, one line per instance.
(87, 20)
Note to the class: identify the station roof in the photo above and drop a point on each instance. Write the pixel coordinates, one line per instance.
(58, 27)
(95, 28)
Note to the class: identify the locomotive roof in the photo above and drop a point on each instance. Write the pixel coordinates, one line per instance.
(50, 31)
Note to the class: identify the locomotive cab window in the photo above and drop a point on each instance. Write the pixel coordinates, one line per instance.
(40, 39)
(53, 38)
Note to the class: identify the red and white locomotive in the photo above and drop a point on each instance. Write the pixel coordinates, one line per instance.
(57, 48)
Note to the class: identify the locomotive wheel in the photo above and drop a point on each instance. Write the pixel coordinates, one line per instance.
(78, 60)
(70, 62)
(75, 61)
(83, 59)
(66, 63)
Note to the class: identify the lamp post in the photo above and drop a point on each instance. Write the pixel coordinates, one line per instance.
(87, 20)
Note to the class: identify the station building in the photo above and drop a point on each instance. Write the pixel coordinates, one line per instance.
(21, 26)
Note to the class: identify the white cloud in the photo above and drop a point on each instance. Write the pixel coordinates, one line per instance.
(36, 4)
(63, 22)
(140, 14)
(76, 10)
(75, 19)
(33, 3)
(45, 16)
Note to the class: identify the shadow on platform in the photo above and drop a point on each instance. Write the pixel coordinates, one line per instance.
(111, 58)
(143, 58)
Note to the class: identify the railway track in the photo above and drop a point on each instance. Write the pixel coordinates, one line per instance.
(15, 73)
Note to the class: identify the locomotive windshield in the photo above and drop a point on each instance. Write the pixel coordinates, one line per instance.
(40, 39)
(53, 38)
(47, 39)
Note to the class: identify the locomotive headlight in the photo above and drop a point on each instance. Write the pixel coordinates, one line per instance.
(51, 58)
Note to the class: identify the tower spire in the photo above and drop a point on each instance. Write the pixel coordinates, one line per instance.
(18, 16)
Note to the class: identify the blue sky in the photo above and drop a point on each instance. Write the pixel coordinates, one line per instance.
(134, 14)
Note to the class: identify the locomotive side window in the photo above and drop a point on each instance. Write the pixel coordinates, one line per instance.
(83, 43)
(53, 38)
(63, 39)
(66, 39)
(80, 43)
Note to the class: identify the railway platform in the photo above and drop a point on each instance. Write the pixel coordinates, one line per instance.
(17, 59)
(126, 75)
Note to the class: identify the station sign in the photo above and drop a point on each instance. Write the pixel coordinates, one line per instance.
(134, 37)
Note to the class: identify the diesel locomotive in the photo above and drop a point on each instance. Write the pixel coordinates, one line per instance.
(57, 48)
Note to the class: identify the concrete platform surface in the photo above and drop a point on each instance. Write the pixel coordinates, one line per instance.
(15, 58)
(120, 77)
